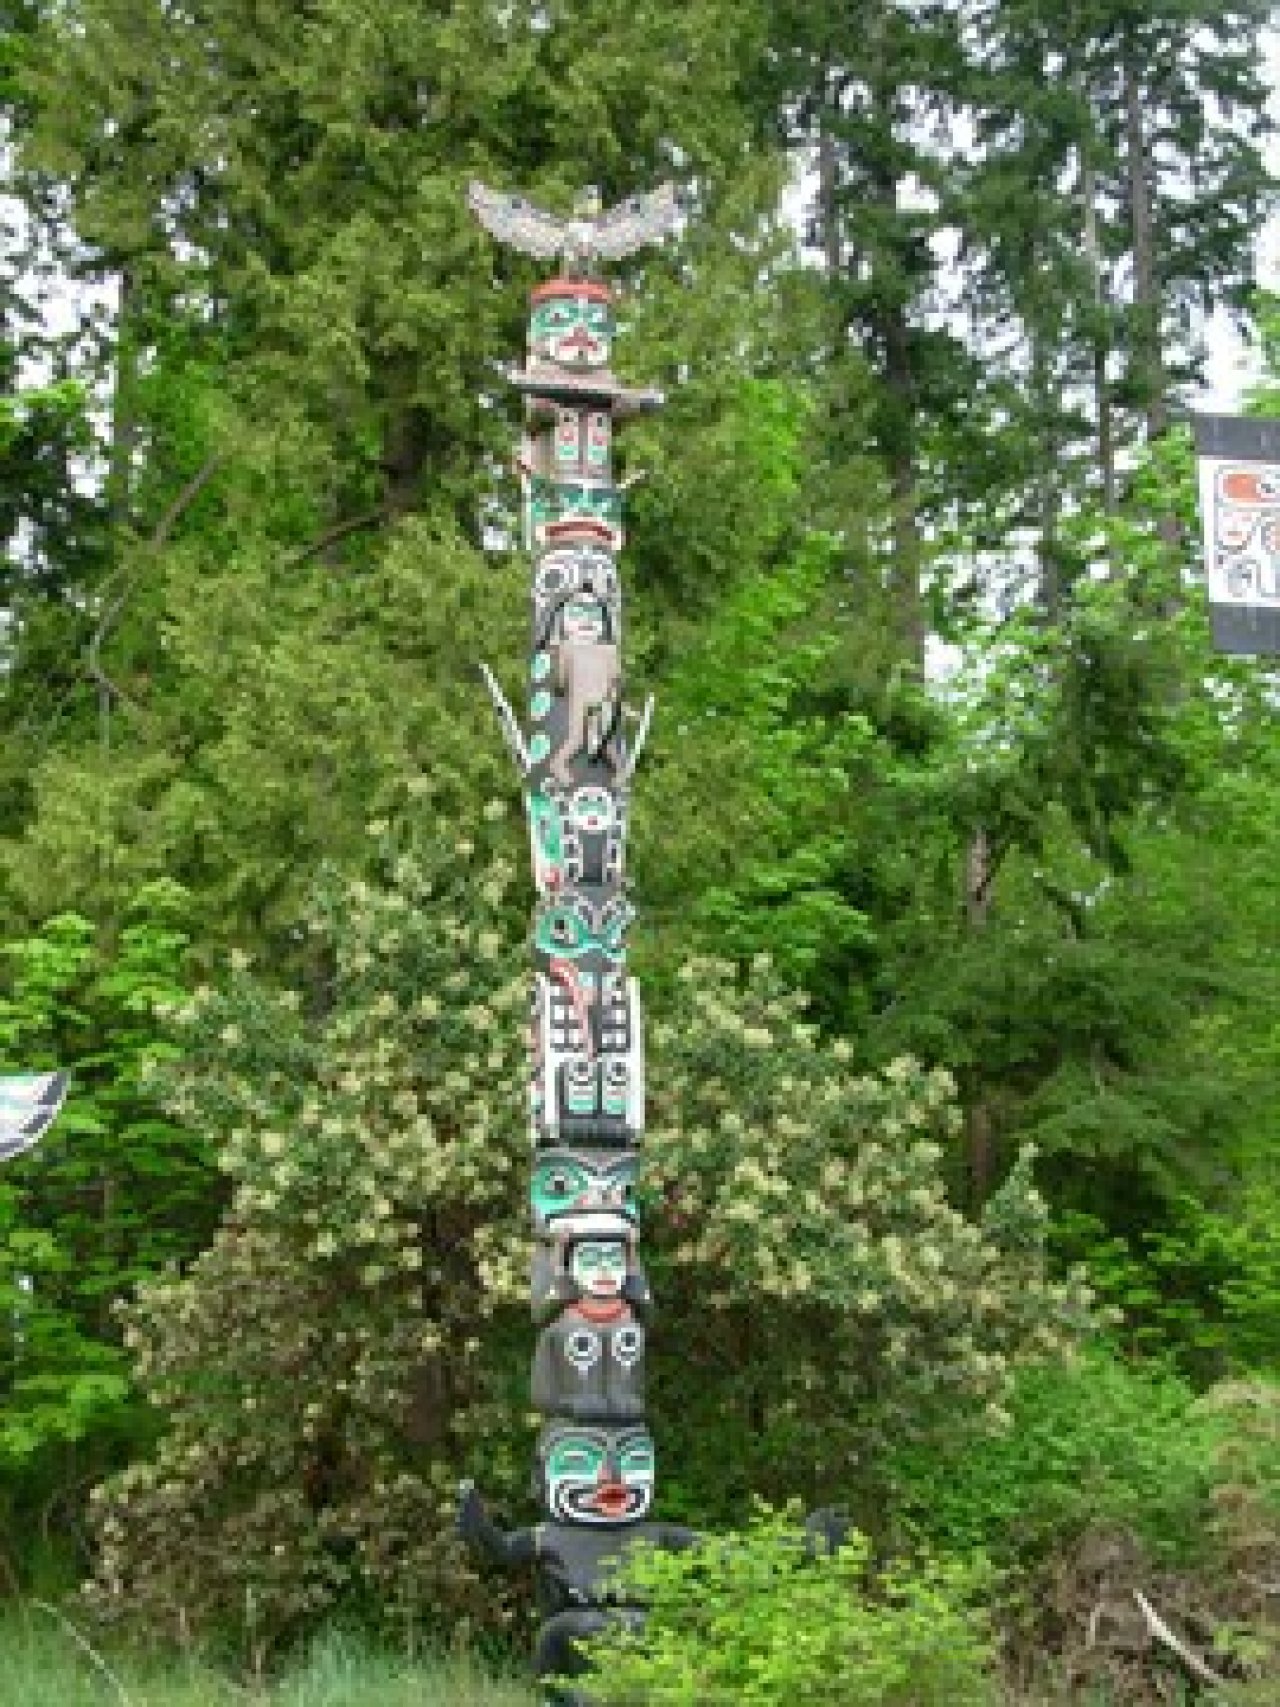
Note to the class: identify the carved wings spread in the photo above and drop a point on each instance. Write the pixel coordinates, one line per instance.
(29, 1104)
(610, 236)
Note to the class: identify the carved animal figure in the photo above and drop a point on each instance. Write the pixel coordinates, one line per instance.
(581, 242)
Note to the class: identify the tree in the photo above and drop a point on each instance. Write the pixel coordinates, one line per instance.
(116, 1193)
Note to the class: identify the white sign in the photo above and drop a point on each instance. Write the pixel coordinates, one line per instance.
(1239, 463)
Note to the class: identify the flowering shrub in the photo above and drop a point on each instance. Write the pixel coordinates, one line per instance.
(325, 1365)
(826, 1294)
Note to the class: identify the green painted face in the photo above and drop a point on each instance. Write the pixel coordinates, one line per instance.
(568, 1182)
(597, 1475)
(598, 1267)
(571, 330)
(572, 509)
(592, 810)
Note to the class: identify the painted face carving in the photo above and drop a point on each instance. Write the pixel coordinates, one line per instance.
(565, 510)
(581, 839)
(574, 1182)
(583, 620)
(597, 1475)
(598, 1267)
(571, 325)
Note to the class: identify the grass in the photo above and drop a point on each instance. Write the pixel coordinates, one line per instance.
(48, 1662)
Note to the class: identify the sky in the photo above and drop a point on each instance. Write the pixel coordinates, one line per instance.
(1231, 364)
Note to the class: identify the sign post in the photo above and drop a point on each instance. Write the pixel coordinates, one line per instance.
(1239, 466)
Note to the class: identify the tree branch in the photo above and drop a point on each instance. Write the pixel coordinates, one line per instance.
(339, 530)
(164, 527)
(1164, 1635)
(184, 500)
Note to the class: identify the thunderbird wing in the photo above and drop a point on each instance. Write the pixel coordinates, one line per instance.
(635, 222)
(513, 220)
(29, 1104)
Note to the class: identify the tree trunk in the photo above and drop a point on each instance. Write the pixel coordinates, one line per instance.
(1101, 343)
(828, 232)
(124, 421)
(979, 876)
(898, 417)
(1147, 353)
(1046, 400)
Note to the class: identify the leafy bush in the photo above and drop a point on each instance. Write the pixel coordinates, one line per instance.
(326, 1364)
(751, 1620)
(114, 1193)
(1204, 1288)
(1091, 1443)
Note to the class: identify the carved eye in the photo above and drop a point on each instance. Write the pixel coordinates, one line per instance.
(637, 1461)
(582, 1349)
(626, 1346)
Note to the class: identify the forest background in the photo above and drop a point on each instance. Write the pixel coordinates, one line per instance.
(957, 978)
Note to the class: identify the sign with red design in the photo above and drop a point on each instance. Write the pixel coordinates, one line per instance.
(1239, 464)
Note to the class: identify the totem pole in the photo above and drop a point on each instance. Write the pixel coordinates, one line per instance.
(594, 1459)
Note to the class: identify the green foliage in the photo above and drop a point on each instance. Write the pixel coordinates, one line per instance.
(751, 1618)
(115, 1193)
(1093, 1443)
(49, 1660)
(740, 746)
(1205, 1286)
(352, 1337)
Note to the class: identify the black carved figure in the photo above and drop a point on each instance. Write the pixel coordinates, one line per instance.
(589, 1365)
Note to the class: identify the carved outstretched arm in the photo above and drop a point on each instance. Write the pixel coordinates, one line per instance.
(482, 1535)
(825, 1531)
(675, 1538)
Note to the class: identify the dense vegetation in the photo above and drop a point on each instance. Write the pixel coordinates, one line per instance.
(954, 848)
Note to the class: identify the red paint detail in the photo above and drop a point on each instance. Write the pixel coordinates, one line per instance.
(606, 1310)
(592, 289)
(611, 1499)
(568, 979)
(1250, 485)
(579, 527)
